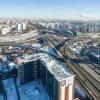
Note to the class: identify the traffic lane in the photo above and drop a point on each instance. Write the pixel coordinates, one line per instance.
(96, 83)
(86, 67)
(84, 79)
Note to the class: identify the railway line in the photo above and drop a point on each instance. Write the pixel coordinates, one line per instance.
(88, 80)
(92, 66)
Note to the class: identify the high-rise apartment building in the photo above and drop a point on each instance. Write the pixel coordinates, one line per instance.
(57, 80)
(20, 26)
(5, 29)
(96, 29)
(23, 26)
(28, 71)
(56, 25)
(83, 29)
(91, 29)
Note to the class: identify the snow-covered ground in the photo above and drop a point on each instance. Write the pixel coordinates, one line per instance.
(33, 91)
(11, 65)
(1, 97)
(19, 37)
(48, 49)
(95, 55)
(10, 89)
(38, 45)
(77, 46)
(51, 51)
(7, 67)
(44, 48)
(77, 50)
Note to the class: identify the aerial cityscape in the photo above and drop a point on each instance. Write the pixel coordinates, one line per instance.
(49, 50)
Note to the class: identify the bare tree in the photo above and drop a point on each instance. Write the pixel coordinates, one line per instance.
(15, 60)
(6, 49)
(28, 51)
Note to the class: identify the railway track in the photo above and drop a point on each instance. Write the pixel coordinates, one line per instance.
(81, 70)
(86, 80)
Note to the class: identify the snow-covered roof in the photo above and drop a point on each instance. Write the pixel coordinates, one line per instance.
(55, 67)
(36, 45)
(12, 47)
(44, 48)
(11, 65)
(33, 91)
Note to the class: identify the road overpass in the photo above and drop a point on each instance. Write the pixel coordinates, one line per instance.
(20, 41)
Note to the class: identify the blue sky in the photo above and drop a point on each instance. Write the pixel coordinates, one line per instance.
(49, 8)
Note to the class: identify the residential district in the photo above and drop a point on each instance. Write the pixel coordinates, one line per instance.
(49, 60)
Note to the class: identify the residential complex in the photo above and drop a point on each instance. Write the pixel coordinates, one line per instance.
(57, 25)
(37, 76)
(35, 60)
(84, 27)
(57, 80)
(5, 29)
(20, 26)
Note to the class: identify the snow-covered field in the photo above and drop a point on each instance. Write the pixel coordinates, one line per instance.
(10, 89)
(33, 91)
(38, 45)
(1, 97)
(48, 49)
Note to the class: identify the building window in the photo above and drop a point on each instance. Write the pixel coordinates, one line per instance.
(63, 83)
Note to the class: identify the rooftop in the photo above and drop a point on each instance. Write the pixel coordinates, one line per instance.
(55, 67)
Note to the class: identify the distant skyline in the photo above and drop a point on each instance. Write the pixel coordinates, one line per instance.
(60, 9)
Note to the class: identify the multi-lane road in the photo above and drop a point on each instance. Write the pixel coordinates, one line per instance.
(87, 76)
(89, 79)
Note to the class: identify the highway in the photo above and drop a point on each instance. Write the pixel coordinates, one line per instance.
(89, 78)
(85, 74)
(89, 81)
(85, 60)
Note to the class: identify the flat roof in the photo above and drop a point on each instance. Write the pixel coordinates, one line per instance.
(55, 67)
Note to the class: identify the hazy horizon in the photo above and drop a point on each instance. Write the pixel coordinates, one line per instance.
(58, 9)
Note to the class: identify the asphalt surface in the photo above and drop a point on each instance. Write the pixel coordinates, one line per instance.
(88, 77)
